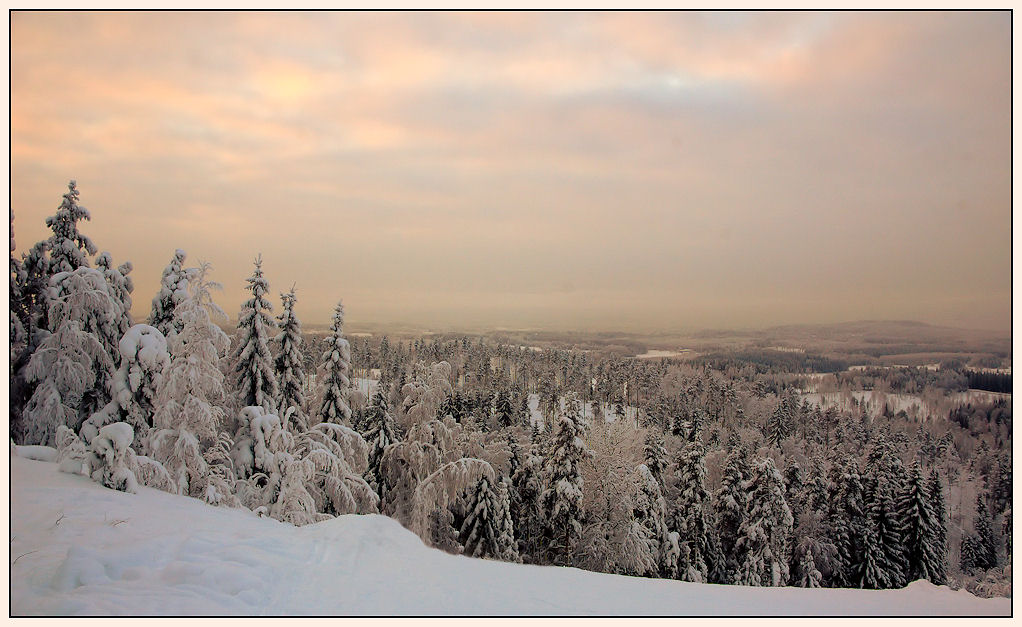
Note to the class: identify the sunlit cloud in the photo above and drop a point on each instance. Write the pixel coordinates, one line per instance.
(660, 168)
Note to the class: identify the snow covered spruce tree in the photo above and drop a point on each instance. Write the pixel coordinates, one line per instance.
(121, 286)
(984, 545)
(173, 290)
(504, 410)
(847, 524)
(764, 538)
(688, 514)
(144, 357)
(487, 530)
(288, 366)
(731, 503)
(18, 318)
(335, 372)
(809, 576)
(73, 367)
(651, 514)
(254, 380)
(655, 455)
(528, 485)
(562, 498)
(380, 432)
(882, 518)
(188, 437)
(65, 250)
(918, 530)
(63, 369)
(935, 491)
(67, 246)
(109, 457)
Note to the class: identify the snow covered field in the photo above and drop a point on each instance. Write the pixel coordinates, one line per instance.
(912, 404)
(536, 414)
(79, 548)
(658, 354)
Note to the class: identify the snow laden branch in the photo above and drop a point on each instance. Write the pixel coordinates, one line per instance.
(439, 490)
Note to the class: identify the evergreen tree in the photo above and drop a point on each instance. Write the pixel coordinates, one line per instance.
(487, 530)
(562, 498)
(72, 368)
(63, 369)
(765, 535)
(458, 408)
(650, 512)
(188, 436)
(67, 246)
(848, 524)
(918, 530)
(524, 413)
(688, 514)
(935, 491)
(777, 427)
(144, 358)
(810, 577)
(120, 287)
(288, 367)
(173, 291)
(986, 554)
(655, 455)
(874, 575)
(794, 489)
(19, 313)
(528, 485)
(335, 372)
(731, 504)
(255, 382)
(380, 433)
(504, 410)
(883, 519)
(970, 553)
(446, 407)
(514, 454)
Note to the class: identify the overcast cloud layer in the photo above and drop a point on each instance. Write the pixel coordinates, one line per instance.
(575, 170)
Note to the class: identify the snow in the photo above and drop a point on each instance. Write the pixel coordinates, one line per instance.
(36, 452)
(979, 396)
(119, 435)
(79, 548)
(659, 354)
(911, 404)
(536, 414)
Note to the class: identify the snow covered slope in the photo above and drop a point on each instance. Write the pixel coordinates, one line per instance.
(79, 548)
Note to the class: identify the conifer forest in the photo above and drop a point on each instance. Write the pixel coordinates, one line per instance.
(720, 465)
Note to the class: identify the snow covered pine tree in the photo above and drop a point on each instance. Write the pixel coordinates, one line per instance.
(253, 366)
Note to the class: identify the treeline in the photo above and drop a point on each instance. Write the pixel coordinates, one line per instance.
(989, 381)
(767, 361)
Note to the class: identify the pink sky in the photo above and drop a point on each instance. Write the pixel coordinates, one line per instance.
(562, 170)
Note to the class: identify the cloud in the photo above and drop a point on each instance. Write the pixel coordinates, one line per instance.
(666, 166)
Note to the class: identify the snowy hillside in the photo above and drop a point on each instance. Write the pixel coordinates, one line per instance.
(79, 548)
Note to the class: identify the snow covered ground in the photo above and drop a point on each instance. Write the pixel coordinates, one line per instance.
(912, 404)
(79, 548)
(536, 414)
(659, 354)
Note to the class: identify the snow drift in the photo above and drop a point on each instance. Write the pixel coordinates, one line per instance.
(79, 548)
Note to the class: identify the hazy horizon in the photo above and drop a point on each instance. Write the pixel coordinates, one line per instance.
(592, 171)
